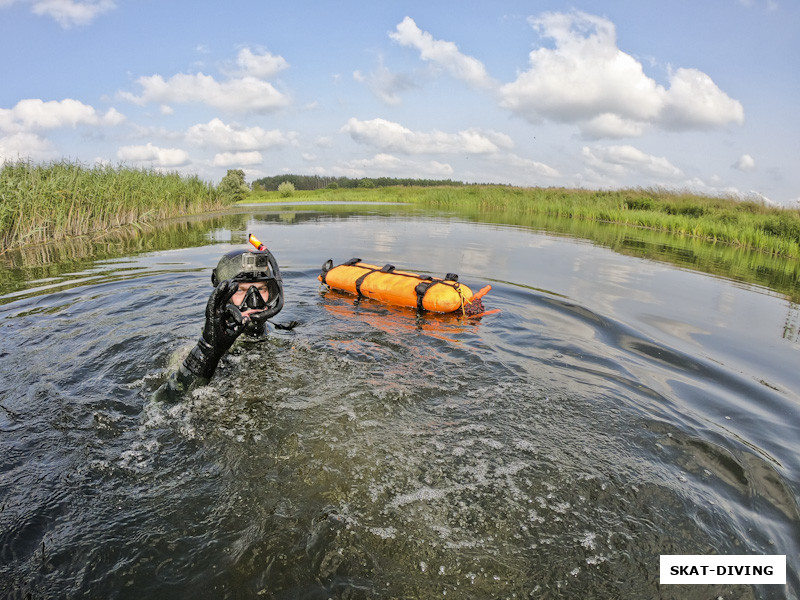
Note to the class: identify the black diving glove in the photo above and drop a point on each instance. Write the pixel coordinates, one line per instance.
(219, 333)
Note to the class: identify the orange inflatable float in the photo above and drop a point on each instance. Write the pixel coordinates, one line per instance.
(401, 288)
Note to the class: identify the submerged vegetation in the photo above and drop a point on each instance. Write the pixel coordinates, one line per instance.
(747, 224)
(40, 203)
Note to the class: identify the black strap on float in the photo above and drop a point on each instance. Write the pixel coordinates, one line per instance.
(385, 269)
(451, 279)
(327, 266)
(422, 289)
(361, 279)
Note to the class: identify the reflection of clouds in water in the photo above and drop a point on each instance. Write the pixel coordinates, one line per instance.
(384, 240)
(602, 281)
(441, 229)
(538, 240)
(683, 331)
(475, 259)
(724, 306)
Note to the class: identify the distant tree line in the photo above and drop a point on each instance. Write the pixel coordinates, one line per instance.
(316, 182)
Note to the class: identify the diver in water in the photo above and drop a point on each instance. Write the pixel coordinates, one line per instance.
(248, 290)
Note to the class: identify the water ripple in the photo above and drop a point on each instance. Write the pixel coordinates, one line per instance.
(551, 450)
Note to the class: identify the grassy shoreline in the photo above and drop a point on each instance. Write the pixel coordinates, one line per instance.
(770, 270)
(746, 224)
(43, 203)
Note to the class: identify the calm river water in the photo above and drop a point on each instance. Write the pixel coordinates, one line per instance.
(615, 410)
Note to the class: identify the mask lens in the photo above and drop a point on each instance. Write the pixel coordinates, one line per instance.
(253, 299)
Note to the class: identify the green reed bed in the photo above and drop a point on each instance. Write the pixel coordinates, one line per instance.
(410, 194)
(744, 223)
(748, 224)
(40, 203)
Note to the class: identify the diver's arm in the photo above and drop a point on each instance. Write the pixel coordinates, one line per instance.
(217, 337)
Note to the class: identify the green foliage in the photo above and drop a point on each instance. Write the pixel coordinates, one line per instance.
(233, 188)
(748, 224)
(317, 182)
(745, 224)
(785, 225)
(640, 203)
(286, 189)
(42, 203)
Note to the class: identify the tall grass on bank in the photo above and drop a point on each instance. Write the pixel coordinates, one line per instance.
(748, 224)
(40, 203)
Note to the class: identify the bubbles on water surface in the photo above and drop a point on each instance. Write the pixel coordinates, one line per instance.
(349, 456)
(404, 469)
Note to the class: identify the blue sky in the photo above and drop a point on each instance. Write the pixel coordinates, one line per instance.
(680, 94)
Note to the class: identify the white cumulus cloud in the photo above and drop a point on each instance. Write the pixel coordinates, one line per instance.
(245, 90)
(443, 54)
(26, 146)
(745, 163)
(153, 155)
(622, 160)
(36, 114)
(693, 101)
(263, 65)
(217, 134)
(584, 76)
(393, 137)
(246, 94)
(71, 12)
(68, 13)
(528, 167)
(237, 159)
(610, 125)
(387, 163)
(587, 80)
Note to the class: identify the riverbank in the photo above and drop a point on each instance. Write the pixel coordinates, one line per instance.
(44, 203)
(742, 223)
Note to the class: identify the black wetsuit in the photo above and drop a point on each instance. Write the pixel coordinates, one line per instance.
(219, 333)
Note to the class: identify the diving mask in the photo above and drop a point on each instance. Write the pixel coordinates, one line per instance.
(260, 292)
(253, 299)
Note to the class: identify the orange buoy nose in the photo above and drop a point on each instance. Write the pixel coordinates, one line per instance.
(481, 293)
